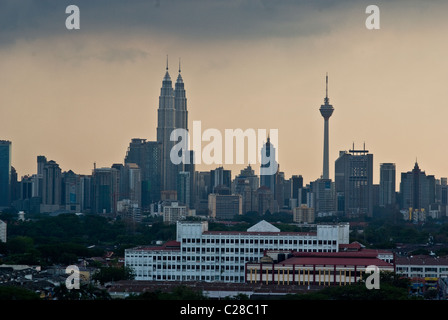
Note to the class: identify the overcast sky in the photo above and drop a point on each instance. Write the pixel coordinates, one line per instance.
(80, 96)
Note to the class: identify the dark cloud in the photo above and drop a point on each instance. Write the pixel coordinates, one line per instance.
(195, 19)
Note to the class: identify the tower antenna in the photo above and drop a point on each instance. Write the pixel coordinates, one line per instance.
(179, 65)
(166, 62)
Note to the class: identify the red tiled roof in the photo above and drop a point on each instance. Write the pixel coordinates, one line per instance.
(336, 260)
(167, 246)
(260, 233)
(421, 260)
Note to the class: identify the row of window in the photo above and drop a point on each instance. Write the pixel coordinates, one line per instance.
(206, 251)
(257, 241)
(142, 276)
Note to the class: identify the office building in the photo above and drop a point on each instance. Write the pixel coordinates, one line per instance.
(353, 182)
(174, 212)
(417, 190)
(71, 192)
(198, 254)
(3, 231)
(387, 184)
(147, 155)
(224, 206)
(220, 177)
(323, 197)
(105, 184)
(303, 214)
(5, 173)
(51, 187)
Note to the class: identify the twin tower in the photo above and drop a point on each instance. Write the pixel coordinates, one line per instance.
(172, 114)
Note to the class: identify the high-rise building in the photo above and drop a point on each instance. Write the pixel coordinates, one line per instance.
(246, 184)
(417, 190)
(303, 214)
(148, 156)
(387, 184)
(71, 191)
(5, 173)
(220, 177)
(296, 185)
(51, 187)
(105, 183)
(166, 123)
(326, 110)
(172, 114)
(183, 188)
(202, 187)
(353, 182)
(224, 206)
(268, 178)
(323, 196)
(3, 228)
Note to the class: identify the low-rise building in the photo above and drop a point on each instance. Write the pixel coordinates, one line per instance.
(318, 268)
(201, 255)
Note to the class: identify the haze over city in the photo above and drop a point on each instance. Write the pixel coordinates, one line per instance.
(79, 96)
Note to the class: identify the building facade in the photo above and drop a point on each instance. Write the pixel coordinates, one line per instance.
(387, 184)
(5, 173)
(417, 190)
(201, 255)
(354, 183)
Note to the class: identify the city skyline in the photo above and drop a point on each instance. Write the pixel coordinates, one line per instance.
(90, 92)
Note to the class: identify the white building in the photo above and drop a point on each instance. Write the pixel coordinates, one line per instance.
(2, 231)
(174, 212)
(422, 266)
(201, 255)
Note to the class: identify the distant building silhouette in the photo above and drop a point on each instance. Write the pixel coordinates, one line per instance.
(387, 184)
(354, 182)
(5, 173)
(417, 190)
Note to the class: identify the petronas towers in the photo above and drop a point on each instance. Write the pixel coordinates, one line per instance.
(172, 114)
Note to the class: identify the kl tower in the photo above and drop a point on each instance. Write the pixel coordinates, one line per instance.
(326, 110)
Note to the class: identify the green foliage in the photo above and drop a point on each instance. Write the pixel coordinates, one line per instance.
(107, 274)
(17, 293)
(181, 292)
(392, 287)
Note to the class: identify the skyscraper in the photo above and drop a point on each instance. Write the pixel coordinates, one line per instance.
(268, 154)
(220, 177)
(105, 183)
(5, 173)
(417, 189)
(172, 114)
(166, 123)
(387, 184)
(354, 182)
(326, 110)
(148, 156)
(51, 187)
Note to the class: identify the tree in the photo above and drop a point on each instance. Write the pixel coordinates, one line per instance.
(17, 293)
(108, 274)
(87, 291)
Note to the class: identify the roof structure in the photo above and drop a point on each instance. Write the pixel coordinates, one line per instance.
(263, 226)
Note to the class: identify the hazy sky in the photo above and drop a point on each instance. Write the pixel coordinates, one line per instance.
(80, 96)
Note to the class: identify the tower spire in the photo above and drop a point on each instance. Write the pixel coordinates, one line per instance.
(179, 65)
(166, 62)
(326, 100)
